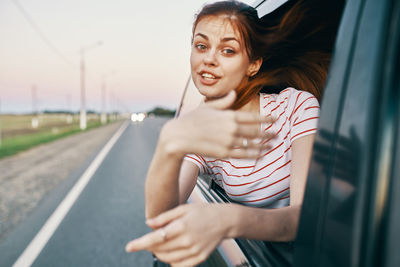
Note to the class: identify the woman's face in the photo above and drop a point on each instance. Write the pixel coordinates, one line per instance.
(219, 61)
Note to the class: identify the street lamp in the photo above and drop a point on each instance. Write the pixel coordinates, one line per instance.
(82, 121)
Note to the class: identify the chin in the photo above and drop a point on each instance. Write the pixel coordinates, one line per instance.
(211, 93)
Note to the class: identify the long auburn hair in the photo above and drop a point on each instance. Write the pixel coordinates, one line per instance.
(295, 43)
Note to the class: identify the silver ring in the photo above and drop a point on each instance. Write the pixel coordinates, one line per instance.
(245, 142)
(163, 234)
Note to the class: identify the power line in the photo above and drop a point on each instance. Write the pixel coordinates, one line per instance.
(42, 36)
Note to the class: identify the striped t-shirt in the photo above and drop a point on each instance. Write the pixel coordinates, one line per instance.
(266, 182)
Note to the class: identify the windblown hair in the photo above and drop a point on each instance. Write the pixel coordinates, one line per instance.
(295, 43)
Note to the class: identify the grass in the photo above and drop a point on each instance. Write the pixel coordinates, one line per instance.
(18, 134)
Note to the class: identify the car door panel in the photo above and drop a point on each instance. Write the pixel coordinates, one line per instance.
(350, 217)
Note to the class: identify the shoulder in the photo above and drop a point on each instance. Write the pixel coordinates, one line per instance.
(298, 98)
(289, 99)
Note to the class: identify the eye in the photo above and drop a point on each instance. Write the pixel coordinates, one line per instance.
(200, 47)
(228, 51)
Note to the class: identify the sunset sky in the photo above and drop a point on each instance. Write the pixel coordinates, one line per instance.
(144, 56)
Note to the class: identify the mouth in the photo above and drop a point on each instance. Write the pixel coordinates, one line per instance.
(208, 78)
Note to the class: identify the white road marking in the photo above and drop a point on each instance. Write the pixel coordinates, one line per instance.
(42, 237)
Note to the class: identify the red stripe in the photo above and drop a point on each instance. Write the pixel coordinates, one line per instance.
(270, 151)
(269, 163)
(284, 197)
(312, 118)
(227, 161)
(252, 182)
(311, 97)
(205, 164)
(279, 104)
(311, 107)
(277, 133)
(238, 195)
(283, 101)
(219, 174)
(268, 95)
(297, 98)
(287, 134)
(255, 200)
(204, 170)
(269, 103)
(222, 168)
(266, 129)
(303, 132)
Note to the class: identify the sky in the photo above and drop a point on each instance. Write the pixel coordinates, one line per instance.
(143, 59)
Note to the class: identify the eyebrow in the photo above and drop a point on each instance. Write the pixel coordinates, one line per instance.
(226, 39)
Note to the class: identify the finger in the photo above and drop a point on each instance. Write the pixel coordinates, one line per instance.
(248, 143)
(173, 256)
(224, 102)
(250, 137)
(146, 242)
(252, 117)
(250, 131)
(166, 217)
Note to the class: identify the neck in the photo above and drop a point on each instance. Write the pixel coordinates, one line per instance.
(253, 105)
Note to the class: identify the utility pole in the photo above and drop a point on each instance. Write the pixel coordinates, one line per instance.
(68, 109)
(82, 121)
(103, 117)
(0, 125)
(35, 119)
(34, 99)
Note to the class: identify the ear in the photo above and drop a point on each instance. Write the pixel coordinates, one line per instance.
(254, 67)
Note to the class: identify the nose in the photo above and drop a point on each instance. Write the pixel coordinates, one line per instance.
(210, 58)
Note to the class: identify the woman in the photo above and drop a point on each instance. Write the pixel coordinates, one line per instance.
(256, 145)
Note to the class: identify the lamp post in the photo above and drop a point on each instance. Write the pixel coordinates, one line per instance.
(82, 121)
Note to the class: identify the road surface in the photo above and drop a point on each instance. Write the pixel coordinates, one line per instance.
(107, 213)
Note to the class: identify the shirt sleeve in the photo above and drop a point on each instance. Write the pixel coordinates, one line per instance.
(305, 115)
(198, 161)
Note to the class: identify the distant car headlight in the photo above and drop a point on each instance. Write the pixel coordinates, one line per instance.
(134, 117)
(138, 117)
(141, 116)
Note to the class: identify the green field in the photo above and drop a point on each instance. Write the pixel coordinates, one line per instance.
(18, 132)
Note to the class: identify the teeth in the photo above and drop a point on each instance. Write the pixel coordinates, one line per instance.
(208, 75)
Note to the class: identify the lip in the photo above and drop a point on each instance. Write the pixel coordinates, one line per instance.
(206, 81)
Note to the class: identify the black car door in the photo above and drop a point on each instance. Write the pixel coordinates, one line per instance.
(349, 215)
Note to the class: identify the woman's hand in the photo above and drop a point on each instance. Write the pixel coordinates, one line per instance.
(185, 235)
(211, 130)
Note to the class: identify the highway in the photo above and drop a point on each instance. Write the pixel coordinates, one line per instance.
(107, 213)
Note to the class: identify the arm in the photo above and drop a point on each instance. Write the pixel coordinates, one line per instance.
(170, 180)
(209, 130)
(194, 227)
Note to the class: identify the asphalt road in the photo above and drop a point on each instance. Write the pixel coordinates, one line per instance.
(108, 213)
